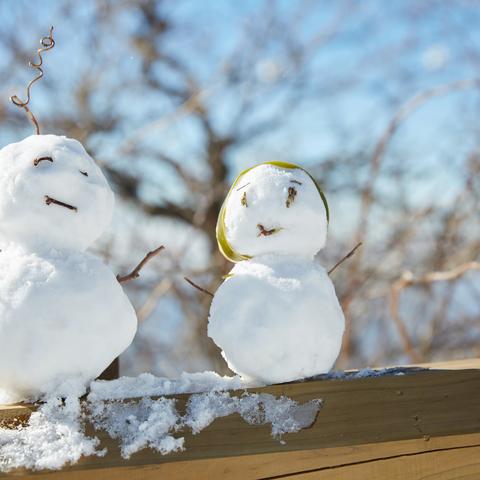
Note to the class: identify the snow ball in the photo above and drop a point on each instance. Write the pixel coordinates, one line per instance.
(61, 316)
(52, 194)
(277, 319)
(273, 209)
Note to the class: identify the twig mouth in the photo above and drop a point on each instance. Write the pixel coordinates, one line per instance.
(49, 200)
(263, 232)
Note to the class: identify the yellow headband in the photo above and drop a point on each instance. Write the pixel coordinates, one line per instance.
(223, 244)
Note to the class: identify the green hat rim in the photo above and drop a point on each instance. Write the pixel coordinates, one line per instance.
(223, 244)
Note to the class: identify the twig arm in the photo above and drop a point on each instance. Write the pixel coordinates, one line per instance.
(135, 273)
(198, 287)
(346, 257)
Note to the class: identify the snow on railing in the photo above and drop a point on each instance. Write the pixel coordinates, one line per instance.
(146, 420)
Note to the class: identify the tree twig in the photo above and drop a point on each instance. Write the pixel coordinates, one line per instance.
(407, 280)
(158, 291)
(135, 273)
(346, 257)
(405, 110)
(198, 287)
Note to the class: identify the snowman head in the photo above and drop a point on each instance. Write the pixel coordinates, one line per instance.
(52, 194)
(273, 208)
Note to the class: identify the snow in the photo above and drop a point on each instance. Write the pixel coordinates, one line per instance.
(53, 438)
(147, 384)
(369, 372)
(63, 314)
(283, 414)
(138, 425)
(259, 197)
(276, 317)
(56, 436)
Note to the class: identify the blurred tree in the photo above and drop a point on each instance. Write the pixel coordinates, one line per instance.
(174, 98)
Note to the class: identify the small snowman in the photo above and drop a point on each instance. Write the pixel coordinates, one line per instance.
(63, 314)
(276, 317)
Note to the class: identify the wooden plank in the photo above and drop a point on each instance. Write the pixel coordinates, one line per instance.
(294, 464)
(463, 364)
(14, 415)
(418, 406)
(461, 463)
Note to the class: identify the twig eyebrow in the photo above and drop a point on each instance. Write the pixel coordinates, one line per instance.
(41, 159)
(243, 186)
(296, 181)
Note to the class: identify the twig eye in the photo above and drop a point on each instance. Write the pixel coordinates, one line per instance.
(85, 174)
(292, 193)
(41, 159)
(243, 201)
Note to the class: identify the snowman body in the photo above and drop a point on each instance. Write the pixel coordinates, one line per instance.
(276, 317)
(63, 314)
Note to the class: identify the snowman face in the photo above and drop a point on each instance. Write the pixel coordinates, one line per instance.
(273, 209)
(52, 194)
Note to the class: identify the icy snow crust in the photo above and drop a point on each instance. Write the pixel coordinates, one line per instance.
(55, 435)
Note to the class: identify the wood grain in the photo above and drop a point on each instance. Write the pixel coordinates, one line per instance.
(458, 463)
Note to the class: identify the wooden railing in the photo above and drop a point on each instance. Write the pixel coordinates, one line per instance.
(423, 424)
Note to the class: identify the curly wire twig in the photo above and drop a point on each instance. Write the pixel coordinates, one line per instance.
(47, 43)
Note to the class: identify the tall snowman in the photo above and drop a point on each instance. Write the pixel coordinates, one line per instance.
(63, 314)
(276, 317)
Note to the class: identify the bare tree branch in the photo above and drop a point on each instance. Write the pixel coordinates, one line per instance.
(407, 280)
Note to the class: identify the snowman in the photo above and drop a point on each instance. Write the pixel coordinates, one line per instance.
(63, 314)
(276, 317)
